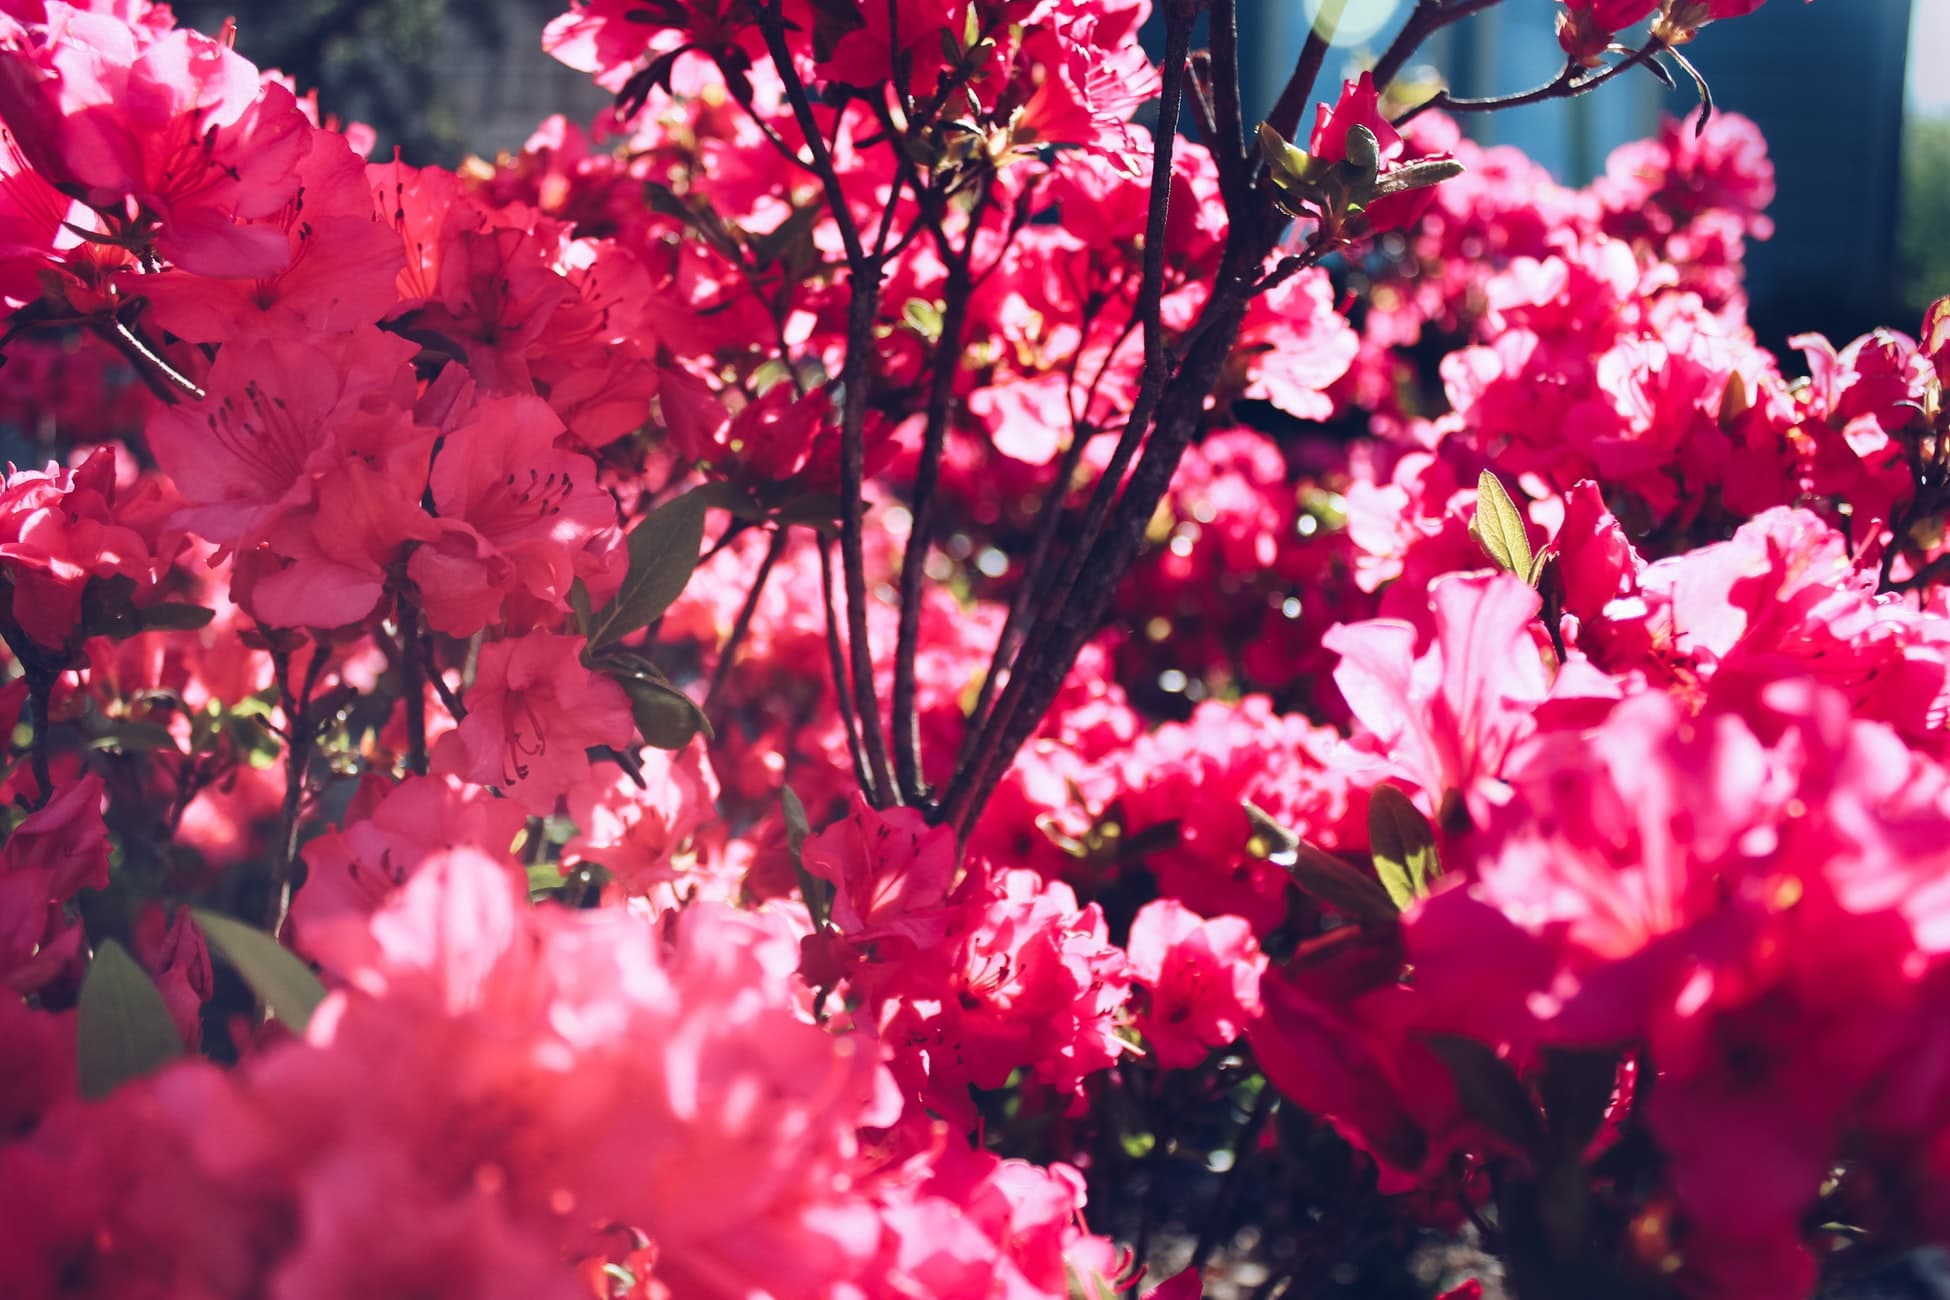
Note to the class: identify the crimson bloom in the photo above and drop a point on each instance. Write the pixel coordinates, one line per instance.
(531, 713)
(176, 136)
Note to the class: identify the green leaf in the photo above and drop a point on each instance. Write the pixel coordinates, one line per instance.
(1363, 154)
(1340, 885)
(122, 1027)
(816, 892)
(176, 616)
(108, 608)
(1491, 1093)
(923, 317)
(1291, 170)
(544, 878)
(797, 828)
(666, 718)
(133, 737)
(1403, 845)
(1498, 527)
(579, 605)
(272, 971)
(663, 554)
(1415, 176)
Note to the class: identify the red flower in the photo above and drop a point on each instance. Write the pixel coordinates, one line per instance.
(531, 713)
(58, 529)
(890, 873)
(1202, 977)
(175, 137)
(1360, 105)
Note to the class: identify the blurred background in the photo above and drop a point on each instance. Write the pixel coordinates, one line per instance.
(1853, 95)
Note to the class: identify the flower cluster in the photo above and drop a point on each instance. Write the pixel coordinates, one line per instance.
(572, 728)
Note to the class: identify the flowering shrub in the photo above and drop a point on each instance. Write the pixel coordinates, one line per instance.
(867, 679)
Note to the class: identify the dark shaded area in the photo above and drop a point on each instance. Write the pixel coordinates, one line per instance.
(438, 79)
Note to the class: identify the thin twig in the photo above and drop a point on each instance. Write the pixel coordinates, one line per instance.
(1285, 117)
(1048, 584)
(927, 477)
(863, 276)
(413, 686)
(1430, 17)
(743, 623)
(837, 661)
(1566, 85)
(300, 740)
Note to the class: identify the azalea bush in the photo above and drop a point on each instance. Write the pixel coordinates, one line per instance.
(867, 678)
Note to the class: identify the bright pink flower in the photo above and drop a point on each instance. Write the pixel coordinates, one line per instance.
(1450, 715)
(60, 528)
(1297, 345)
(389, 832)
(1039, 986)
(531, 713)
(176, 135)
(342, 271)
(890, 873)
(641, 832)
(1201, 978)
(310, 449)
(1360, 105)
(515, 515)
(1586, 27)
(1595, 562)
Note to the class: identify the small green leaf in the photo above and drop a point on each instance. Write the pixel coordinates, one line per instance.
(1340, 885)
(1402, 844)
(816, 892)
(666, 718)
(923, 317)
(663, 554)
(176, 616)
(122, 1026)
(1498, 527)
(1415, 176)
(1287, 163)
(133, 737)
(544, 878)
(1491, 1093)
(274, 972)
(579, 606)
(1293, 172)
(1363, 151)
(797, 828)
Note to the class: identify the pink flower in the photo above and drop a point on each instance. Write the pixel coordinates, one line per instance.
(390, 831)
(1450, 715)
(309, 449)
(51, 856)
(175, 135)
(531, 713)
(60, 528)
(645, 834)
(515, 515)
(1360, 105)
(342, 269)
(1201, 977)
(1586, 27)
(890, 873)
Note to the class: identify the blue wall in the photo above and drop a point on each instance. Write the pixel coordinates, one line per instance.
(1824, 81)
